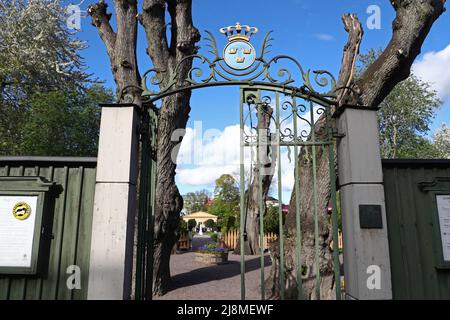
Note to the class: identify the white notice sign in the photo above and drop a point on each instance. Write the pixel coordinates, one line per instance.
(17, 220)
(443, 204)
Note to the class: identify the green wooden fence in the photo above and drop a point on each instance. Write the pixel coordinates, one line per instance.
(410, 217)
(72, 222)
(412, 227)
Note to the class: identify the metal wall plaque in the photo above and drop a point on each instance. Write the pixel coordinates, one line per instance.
(17, 224)
(23, 224)
(370, 217)
(443, 205)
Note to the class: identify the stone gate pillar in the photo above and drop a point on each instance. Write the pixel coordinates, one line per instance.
(366, 249)
(110, 272)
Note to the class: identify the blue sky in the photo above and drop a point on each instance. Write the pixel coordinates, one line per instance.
(310, 31)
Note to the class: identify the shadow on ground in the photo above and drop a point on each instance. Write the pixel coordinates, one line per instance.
(215, 273)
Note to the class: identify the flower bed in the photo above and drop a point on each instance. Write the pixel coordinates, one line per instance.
(211, 255)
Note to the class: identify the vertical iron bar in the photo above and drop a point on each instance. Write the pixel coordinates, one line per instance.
(334, 216)
(261, 149)
(297, 204)
(242, 193)
(151, 205)
(316, 221)
(280, 201)
(150, 227)
(143, 188)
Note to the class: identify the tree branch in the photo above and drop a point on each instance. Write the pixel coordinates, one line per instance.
(153, 21)
(120, 46)
(350, 55)
(100, 20)
(184, 34)
(413, 22)
(126, 42)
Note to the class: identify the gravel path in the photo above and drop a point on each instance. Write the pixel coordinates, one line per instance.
(191, 281)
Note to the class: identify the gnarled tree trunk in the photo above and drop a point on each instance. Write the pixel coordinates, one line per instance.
(267, 156)
(173, 115)
(165, 56)
(327, 281)
(120, 46)
(307, 229)
(413, 22)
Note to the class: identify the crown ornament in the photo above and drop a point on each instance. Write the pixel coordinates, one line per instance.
(239, 32)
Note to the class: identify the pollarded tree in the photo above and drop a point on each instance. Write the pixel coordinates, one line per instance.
(412, 24)
(165, 54)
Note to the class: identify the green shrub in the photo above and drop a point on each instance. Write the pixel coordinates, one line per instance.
(214, 236)
(210, 223)
(191, 223)
(183, 227)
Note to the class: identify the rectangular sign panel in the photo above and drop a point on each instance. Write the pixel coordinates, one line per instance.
(443, 204)
(17, 222)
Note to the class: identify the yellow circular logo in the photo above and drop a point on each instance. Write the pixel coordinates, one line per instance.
(21, 211)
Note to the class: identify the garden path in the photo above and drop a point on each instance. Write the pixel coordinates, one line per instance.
(191, 281)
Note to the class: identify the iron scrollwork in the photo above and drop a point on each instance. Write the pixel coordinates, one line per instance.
(293, 123)
(238, 64)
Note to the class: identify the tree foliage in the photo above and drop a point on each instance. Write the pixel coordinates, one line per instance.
(442, 141)
(37, 50)
(210, 223)
(226, 188)
(63, 123)
(226, 200)
(405, 116)
(271, 220)
(196, 201)
(48, 103)
(183, 227)
(191, 223)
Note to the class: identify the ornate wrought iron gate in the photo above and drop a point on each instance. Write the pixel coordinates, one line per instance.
(293, 116)
(298, 105)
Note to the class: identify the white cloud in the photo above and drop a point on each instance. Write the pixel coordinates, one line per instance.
(220, 156)
(434, 68)
(323, 36)
(287, 171)
(203, 176)
(206, 155)
(210, 148)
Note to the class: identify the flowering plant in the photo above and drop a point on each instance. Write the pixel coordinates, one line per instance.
(211, 248)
